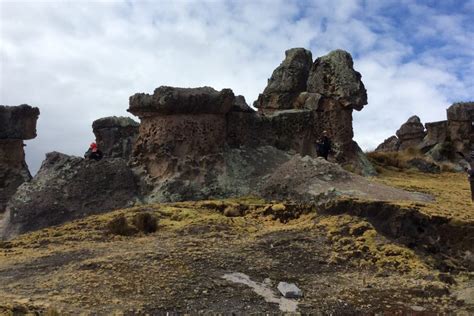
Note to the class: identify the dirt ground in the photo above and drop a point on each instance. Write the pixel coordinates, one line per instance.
(344, 262)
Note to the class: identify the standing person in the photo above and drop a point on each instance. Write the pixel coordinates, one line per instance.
(93, 153)
(470, 172)
(323, 147)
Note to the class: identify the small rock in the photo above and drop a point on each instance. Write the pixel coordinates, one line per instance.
(289, 290)
(417, 308)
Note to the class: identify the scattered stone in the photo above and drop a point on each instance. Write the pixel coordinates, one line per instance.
(289, 290)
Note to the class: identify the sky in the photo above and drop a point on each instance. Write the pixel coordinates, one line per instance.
(81, 60)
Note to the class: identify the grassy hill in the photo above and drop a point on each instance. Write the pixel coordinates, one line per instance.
(347, 256)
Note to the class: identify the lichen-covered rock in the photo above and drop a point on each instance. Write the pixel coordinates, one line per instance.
(67, 188)
(333, 76)
(411, 133)
(461, 111)
(170, 100)
(18, 122)
(115, 136)
(287, 81)
(390, 144)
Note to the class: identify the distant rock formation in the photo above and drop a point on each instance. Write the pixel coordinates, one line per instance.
(68, 187)
(115, 136)
(17, 123)
(411, 133)
(441, 140)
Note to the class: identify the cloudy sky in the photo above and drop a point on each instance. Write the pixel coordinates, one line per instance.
(81, 60)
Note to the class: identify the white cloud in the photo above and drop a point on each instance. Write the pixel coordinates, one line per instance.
(81, 60)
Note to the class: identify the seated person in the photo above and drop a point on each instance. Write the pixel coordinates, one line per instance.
(93, 153)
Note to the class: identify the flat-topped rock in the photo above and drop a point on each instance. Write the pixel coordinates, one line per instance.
(18, 122)
(333, 76)
(462, 111)
(114, 121)
(170, 100)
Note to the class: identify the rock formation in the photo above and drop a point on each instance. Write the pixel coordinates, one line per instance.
(17, 123)
(66, 188)
(287, 81)
(198, 143)
(115, 136)
(390, 144)
(461, 126)
(411, 133)
(441, 140)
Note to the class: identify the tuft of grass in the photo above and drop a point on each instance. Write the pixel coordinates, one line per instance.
(145, 222)
(119, 226)
(396, 159)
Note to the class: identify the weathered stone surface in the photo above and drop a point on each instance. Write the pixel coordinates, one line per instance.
(115, 136)
(67, 188)
(462, 111)
(240, 105)
(333, 76)
(411, 133)
(18, 122)
(390, 144)
(289, 290)
(436, 133)
(13, 169)
(169, 100)
(287, 81)
(461, 126)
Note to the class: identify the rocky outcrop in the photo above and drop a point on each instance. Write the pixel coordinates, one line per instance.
(390, 144)
(333, 76)
(287, 81)
(115, 136)
(461, 126)
(17, 123)
(443, 140)
(66, 188)
(411, 133)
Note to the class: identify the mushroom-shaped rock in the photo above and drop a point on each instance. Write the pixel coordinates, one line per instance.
(170, 100)
(115, 136)
(411, 133)
(333, 76)
(18, 122)
(287, 81)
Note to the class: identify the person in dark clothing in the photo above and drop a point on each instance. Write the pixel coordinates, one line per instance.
(323, 146)
(470, 173)
(93, 153)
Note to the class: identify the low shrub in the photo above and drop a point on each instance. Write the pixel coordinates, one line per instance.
(145, 222)
(119, 226)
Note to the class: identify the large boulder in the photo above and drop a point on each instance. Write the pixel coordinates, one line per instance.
(390, 144)
(436, 133)
(66, 188)
(287, 81)
(333, 76)
(115, 136)
(16, 124)
(411, 133)
(171, 101)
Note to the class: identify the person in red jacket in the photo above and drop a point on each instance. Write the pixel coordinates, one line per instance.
(93, 153)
